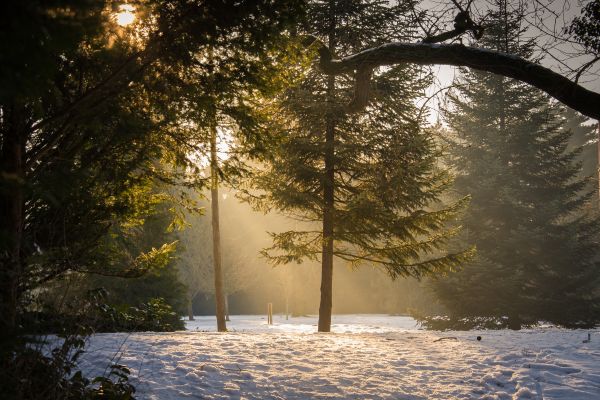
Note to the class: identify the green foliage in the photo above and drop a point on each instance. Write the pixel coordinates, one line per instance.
(105, 123)
(95, 126)
(444, 323)
(132, 262)
(155, 316)
(33, 34)
(131, 291)
(92, 312)
(537, 251)
(33, 375)
(386, 180)
(114, 387)
(33, 368)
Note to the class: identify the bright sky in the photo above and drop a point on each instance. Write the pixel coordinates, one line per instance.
(126, 15)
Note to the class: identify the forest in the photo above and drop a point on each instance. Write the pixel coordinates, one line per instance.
(174, 172)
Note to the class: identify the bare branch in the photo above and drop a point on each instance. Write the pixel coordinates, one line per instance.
(463, 23)
(554, 84)
(584, 67)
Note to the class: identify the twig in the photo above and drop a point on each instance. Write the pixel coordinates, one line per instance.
(446, 338)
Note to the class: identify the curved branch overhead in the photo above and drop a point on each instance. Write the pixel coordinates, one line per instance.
(561, 88)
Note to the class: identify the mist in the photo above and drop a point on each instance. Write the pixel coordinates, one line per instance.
(251, 282)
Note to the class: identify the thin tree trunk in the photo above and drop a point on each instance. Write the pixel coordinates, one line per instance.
(328, 199)
(12, 173)
(190, 309)
(214, 193)
(327, 252)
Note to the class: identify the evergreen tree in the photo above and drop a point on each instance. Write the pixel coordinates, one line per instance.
(363, 187)
(159, 280)
(536, 253)
(92, 112)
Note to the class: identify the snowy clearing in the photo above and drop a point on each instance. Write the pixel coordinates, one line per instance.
(366, 357)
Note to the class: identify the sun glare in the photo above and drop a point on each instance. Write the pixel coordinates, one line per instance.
(126, 15)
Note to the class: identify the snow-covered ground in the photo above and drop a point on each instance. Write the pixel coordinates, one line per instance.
(366, 357)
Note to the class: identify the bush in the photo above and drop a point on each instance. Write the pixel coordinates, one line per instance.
(155, 315)
(443, 323)
(28, 373)
(92, 314)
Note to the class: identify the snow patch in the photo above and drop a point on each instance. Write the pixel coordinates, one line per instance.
(366, 357)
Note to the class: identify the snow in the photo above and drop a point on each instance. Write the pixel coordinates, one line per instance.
(366, 357)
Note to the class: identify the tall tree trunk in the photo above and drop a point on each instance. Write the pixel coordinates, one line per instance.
(190, 308)
(328, 197)
(514, 322)
(216, 234)
(12, 176)
(327, 251)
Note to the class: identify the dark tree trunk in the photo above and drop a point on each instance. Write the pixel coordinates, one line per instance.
(190, 309)
(12, 176)
(327, 255)
(214, 193)
(328, 199)
(514, 322)
(328, 222)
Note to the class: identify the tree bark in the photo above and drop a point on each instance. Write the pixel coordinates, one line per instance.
(561, 88)
(12, 177)
(327, 251)
(216, 234)
(326, 301)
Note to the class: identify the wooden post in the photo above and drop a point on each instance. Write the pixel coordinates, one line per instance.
(287, 306)
(270, 313)
(190, 309)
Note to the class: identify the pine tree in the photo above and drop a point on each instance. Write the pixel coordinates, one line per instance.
(536, 251)
(363, 187)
